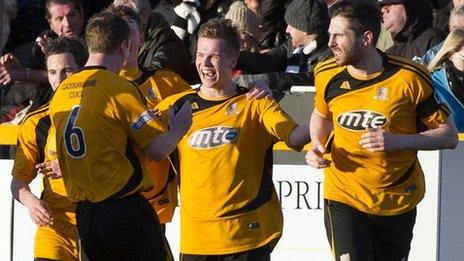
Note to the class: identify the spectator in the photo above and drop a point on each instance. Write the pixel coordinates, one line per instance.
(448, 75)
(442, 16)
(161, 49)
(410, 22)
(247, 24)
(65, 18)
(8, 11)
(273, 23)
(291, 63)
(184, 17)
(456, 20)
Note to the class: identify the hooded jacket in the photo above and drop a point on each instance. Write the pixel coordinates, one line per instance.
(418, 35)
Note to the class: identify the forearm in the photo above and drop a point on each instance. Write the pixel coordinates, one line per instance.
(300, 136)
(38, 76)
(160, 147)
(443, 137)
(319, 128)
(21, 191)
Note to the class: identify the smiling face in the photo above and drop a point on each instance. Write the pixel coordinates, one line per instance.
(65, 20)
(59, 67)
(343, 42)
(214, 62)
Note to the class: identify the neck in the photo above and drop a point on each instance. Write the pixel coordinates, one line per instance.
(370, 63)
(457, 62)
(128, 65)
(218, 92)
(111, 62)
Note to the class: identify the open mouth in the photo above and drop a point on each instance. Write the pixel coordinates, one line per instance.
(208, 73)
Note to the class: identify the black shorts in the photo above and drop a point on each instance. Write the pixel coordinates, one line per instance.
(258, 254)
(120, 229)
(363, 236)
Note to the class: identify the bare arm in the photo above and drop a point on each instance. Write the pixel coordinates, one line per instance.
(319, 128)
(443, 137)
(11, 71)
(38, 209)
(300, 136)
(160, 147)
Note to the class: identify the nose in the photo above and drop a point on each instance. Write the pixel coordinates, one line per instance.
(287, 30)
(66, 22)
(331, 42)
(62, 77)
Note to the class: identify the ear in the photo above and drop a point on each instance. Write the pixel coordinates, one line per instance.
(124, 48)
(368, 38)
(233, 61)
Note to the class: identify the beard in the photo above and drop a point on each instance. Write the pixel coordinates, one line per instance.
(349, 56)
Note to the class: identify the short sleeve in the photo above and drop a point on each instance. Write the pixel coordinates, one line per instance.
(142, 125)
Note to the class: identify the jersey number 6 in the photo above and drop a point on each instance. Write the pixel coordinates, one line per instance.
(74, 136)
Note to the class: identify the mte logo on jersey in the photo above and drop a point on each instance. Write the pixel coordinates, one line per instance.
(360, 120)
(212, 137)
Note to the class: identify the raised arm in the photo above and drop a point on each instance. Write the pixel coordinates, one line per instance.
(161, 146)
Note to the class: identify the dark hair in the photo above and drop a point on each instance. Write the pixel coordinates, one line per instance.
(219, 28)
(105, 32)
(76, 3)
(126, 13)
(73, 45)
(363, 16)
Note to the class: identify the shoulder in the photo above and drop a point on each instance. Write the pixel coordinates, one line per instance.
(409, 69)
(328, 64)
(176, 99)
(35, 115)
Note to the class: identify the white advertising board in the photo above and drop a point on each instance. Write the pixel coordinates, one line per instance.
(300, 190)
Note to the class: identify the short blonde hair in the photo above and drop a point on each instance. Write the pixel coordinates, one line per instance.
(452, 44)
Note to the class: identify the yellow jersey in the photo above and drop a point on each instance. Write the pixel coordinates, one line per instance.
(30, 151)
(101, 124)
(228, 202)
(156, 85)
(398, 100)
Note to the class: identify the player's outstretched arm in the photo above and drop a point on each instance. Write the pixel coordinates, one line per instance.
(444, 136)
(300, 136)
(160, 147)
(38, 209)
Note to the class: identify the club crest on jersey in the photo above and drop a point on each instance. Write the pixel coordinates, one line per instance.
(212, 137)
(143, 118)
(360, 120)
(232, 109)
(381, 94)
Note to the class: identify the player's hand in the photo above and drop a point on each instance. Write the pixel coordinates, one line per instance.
(49, 169)
(258, 90)
(315, 157)
(39, 211)
(378, 140)
(181, 121)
